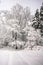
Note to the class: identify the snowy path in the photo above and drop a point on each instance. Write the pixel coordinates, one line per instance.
(23, 57)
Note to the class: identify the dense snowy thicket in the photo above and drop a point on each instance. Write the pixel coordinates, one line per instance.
(16, 29)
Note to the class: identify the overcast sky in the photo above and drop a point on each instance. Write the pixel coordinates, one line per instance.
(32, 4)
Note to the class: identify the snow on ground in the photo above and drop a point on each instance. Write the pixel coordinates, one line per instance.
(21, 57)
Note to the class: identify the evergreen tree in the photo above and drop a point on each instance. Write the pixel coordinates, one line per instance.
(41, 13)
(41, 19)
(36, 23)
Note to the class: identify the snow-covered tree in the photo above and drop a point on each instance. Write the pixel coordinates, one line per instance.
(41, 19)
(41, 12)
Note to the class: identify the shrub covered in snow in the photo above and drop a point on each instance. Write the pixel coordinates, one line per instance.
(33, 37)
(17, 44)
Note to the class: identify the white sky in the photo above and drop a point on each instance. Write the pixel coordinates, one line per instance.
(33, 4)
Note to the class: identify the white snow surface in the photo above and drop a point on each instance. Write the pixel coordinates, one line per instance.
(21, 57)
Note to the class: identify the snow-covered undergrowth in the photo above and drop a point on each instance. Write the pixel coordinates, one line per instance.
(34, 40)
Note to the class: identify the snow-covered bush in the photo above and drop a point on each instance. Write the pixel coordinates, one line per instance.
(17, 44)
(8, 38)
(40, 41)
(33, 37)
(5, 35)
